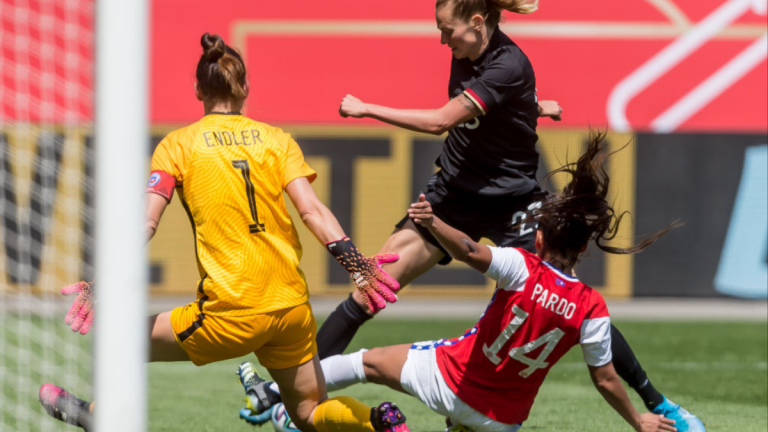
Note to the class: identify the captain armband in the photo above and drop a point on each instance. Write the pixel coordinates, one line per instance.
(161, 183)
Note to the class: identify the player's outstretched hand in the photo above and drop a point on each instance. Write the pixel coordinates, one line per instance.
(551, 109)
(650, 422)
(80, 316)
(421, 212)
(377, 287)
(352, 107)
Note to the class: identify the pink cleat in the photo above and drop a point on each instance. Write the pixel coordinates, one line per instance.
(63, 406)
(388, 418)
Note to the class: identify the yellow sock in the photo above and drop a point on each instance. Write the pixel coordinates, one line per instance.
(343, 413)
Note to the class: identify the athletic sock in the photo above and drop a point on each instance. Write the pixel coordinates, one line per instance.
(340, 327)
(342, 413)
(651, 397)
(342, 371)
(628, 367)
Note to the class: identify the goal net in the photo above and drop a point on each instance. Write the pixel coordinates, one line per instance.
(46, 199)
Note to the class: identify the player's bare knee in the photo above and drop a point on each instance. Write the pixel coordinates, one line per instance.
(302, 415)
(303, 423)
(373, 361)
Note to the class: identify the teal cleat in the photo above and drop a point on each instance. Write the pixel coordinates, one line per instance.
(258, 403)
(255, 419)
(684, 421)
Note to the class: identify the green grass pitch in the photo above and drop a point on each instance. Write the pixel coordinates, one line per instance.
(717, 370)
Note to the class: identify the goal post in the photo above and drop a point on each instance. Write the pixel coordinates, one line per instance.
(122, 134)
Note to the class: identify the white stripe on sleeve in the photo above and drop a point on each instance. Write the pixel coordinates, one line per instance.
(596, 341)
(508, 268)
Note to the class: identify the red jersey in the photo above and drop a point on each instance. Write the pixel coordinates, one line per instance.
(537, 314)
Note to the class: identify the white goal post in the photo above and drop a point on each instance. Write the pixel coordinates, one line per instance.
(122, 134)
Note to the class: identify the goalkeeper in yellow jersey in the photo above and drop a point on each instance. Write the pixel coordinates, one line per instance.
(230, 173)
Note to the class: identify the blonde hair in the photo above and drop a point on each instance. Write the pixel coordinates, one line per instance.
(488, 9)
(220, 71)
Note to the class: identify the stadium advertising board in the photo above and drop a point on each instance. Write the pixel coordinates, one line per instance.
(717, 186)
(368, 176)
(646, 65)
(42, 170)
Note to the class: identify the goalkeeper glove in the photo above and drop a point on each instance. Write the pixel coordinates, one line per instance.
(376, 286)
(80, 316)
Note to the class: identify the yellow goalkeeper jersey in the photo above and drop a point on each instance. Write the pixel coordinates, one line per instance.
(230, 175)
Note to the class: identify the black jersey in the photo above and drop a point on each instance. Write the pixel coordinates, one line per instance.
(495, 153)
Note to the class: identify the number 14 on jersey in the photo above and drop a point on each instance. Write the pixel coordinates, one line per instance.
(519, 353)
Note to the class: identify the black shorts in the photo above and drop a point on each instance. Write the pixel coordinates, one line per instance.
(478, 217)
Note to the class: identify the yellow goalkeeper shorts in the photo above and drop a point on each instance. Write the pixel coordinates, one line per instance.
(280, 339)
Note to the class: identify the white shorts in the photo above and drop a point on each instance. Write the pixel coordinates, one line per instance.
(422, 378)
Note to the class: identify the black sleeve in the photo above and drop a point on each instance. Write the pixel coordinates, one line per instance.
(499, 83)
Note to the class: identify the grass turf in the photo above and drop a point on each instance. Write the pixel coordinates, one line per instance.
(716, 370)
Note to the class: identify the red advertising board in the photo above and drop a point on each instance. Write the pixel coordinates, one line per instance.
(661, 65)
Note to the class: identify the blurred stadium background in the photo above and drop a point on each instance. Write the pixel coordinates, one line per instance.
(685, 82)
(694, 158)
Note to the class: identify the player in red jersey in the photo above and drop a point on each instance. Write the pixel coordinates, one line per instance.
(487, 379)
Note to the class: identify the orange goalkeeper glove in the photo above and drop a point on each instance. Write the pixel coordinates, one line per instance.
(377, 287)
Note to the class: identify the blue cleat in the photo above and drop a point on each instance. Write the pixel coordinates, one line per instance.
(684, 421)
(258, 408)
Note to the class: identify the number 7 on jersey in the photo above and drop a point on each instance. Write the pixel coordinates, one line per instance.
(250, 192)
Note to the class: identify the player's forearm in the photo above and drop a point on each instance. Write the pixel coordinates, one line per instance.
(151, 230)
(458, 244)
(614, 393)
(427, 121)
(156, 205)
(323, 224)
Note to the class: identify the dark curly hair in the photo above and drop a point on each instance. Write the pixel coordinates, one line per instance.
(569, 219)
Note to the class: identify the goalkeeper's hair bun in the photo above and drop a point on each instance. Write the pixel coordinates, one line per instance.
(213, 47)
(220, 71)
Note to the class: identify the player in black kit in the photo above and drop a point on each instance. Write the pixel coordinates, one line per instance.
(487, 176)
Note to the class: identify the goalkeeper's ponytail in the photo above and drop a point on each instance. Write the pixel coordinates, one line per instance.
(220, 71)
